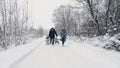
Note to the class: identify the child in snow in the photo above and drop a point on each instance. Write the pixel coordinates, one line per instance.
(63, 35)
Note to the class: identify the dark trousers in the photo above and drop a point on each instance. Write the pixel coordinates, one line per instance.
(52, 41)
(63, 41)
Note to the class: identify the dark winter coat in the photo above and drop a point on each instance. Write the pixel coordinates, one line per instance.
(52, 33)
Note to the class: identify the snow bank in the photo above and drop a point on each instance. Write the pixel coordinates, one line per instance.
(13, 55)
(106, 42)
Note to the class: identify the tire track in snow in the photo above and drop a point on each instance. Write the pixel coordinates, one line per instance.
(23, 57)
(70, 56)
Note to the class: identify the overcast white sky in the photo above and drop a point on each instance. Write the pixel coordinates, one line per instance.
(42, 11)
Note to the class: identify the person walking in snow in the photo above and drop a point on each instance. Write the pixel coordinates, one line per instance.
(52, 34)
(63, 35)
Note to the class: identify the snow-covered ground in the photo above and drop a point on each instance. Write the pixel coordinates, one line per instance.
(75, 54)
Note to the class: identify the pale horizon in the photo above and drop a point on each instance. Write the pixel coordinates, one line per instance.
(42, 11)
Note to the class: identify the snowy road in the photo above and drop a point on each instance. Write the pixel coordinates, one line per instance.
(73, 55)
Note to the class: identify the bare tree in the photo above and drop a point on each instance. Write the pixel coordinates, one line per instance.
(12, 22)
(66, 17)
(103, 13)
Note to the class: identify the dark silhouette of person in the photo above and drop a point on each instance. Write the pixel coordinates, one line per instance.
(63, 35)
(52, 34)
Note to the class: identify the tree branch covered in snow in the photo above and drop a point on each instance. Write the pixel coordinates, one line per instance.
(13, 22)
(96, 18)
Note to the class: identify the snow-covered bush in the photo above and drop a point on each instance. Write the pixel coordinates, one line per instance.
(113, 43)
(106, 42)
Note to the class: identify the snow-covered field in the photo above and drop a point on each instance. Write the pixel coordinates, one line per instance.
(36, 54)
